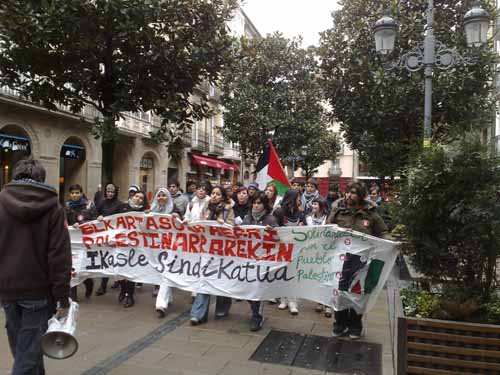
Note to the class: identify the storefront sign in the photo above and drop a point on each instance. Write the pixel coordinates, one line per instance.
(73, 152)
(325, 264)
(147, 163)
(12, 143)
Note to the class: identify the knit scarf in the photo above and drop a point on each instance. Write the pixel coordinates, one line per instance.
(76, 204)
(258, 215)
(133, 205)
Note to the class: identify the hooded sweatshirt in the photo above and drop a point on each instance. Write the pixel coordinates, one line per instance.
(35, 248)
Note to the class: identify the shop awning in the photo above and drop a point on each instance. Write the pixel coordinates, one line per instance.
(214, 163)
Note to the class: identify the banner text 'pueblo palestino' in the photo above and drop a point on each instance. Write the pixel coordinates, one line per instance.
(325, 264)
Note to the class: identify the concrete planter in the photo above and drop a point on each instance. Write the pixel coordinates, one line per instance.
(441, 347)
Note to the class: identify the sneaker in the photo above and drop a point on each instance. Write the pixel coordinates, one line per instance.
(339, 330)
(194, 321)
(319, 308)
(282, 306)
(293, 308)
(355, 333)
(328, 312)
(256, 326)
(161, 313)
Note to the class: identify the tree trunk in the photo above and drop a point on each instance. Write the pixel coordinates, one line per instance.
(108, 142)
(108, 151)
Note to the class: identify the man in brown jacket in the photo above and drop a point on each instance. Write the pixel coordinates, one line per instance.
(35, 263)
(356, 213)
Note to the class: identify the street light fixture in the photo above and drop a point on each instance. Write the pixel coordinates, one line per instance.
(432, 52)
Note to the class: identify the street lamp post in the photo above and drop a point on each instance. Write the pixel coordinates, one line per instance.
(431, 53)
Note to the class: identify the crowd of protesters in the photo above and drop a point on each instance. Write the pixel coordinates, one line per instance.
(26, 203)
(237, 204)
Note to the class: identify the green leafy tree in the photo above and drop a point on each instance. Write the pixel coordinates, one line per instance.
(117, 56)
(380, 111)
(271, 91)
(324, 147)
(452, 217)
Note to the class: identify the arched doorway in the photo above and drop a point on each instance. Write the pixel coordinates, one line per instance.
(147, 174)
(14, 146)
(72, 166)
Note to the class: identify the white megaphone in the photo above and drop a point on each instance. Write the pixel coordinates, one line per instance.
(59, 341)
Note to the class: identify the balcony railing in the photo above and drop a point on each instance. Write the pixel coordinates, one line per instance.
(199, 141)
(217, 145)
(141, 123)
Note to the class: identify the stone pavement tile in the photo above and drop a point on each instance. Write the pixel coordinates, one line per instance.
(293, 324)
(220, 338)
(229, 354)
(304, 371)
(242, 368)
(133, 369)
(176, 345)
(179, 362)
(149, 356)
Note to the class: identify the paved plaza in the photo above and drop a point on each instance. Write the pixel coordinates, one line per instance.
(118, 341)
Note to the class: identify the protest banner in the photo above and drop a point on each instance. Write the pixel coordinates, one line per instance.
(326, 264)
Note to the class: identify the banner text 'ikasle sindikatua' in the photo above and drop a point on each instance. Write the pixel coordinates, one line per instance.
(325, 264)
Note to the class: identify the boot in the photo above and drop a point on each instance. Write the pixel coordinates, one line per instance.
(129, 300)
(102, 289)
(89, 287)
(123, 290)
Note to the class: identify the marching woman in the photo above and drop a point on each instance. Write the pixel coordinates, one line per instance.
(260, 214)
(163, 204)
(195, 210)
(136, 203)
(318, 216)
(110, 205)
(242, 205)
(289, 213)
(219, 209)
(272, 194)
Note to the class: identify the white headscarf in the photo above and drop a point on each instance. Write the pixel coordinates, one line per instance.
(167, 209)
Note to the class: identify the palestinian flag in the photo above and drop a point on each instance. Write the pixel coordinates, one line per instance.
(269, 169)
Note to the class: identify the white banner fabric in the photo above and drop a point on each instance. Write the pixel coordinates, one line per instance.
(327, 264)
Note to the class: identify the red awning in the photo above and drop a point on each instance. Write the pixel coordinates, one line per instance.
(214, 163)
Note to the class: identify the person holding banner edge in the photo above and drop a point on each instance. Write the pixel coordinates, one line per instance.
(136, 203)
(219, 209)
(109, 205)
(163, 204)
(260, 214)
(355, 212)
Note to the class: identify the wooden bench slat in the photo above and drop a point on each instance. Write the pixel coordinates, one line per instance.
(453, 350)
(454, 338)
(452, 362)
(462, 326)
(427, 371)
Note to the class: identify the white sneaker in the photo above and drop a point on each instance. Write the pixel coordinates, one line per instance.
(328, 312)
(282, 306)
(293, 308)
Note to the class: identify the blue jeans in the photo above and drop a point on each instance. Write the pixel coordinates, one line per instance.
(199, 310)
(257, 311)
(26, 323)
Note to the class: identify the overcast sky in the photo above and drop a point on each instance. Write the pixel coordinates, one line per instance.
(291, 17)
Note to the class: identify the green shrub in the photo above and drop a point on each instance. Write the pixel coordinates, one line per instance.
(452, 218)
(420, 304)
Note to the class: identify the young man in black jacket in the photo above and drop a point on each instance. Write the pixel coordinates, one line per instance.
(35, 262)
